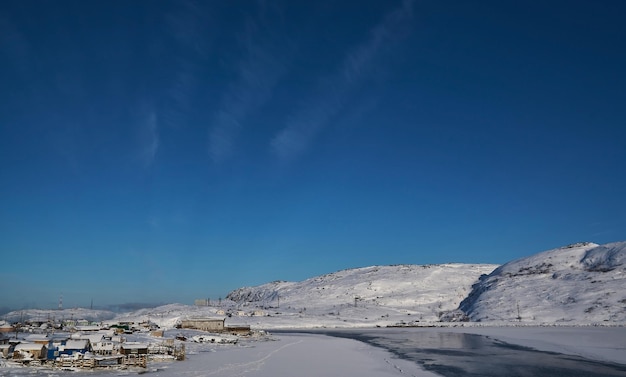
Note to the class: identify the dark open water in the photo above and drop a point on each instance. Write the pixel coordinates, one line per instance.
(456, 354)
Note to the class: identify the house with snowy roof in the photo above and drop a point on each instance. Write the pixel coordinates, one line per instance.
(88, 328)
(37, 338)
(5, 327)
(73, 346)
(104, 347)
(92, 337)
(134, 349)
(29, 351)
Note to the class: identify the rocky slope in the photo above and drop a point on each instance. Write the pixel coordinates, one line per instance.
(579, 283)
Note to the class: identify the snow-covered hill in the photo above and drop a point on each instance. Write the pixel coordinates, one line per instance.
(60, 315)
(370, 295)
(576, 284)
(579, 283)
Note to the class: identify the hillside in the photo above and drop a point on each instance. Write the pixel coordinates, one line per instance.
(369, 295)
(579, 283)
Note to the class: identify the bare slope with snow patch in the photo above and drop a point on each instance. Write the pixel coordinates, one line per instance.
(579, 283)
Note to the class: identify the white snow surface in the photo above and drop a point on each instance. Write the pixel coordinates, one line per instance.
(583, 283)
(318, 355)
(377, 295)
(296, 355)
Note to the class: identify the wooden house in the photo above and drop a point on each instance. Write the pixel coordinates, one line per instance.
(133, 349)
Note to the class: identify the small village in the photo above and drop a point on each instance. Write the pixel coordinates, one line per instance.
(82, 344)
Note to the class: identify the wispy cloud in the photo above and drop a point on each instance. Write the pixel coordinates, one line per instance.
(189, 27)
(265, 59)
(314, 115)
(148, 137)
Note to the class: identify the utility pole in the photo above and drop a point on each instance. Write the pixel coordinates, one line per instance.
(519, 317)
(19, 324)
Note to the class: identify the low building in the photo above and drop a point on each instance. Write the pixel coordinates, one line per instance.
(133, 349)
(6, 327)
(238, 330)
(92, 337)
(103, 347)
(73, 346)
(88, 328)
(37, 338)
(134, 354)
(204, 324)
(56, 341)
(29, 351)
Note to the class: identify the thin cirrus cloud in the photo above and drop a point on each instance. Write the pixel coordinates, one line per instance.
(189, 27)
(148, 129)
(314, 115)
(266, 57)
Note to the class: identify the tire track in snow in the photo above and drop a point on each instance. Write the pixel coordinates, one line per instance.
(241, 369)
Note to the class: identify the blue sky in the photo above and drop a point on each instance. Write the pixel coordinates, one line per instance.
(161, 151)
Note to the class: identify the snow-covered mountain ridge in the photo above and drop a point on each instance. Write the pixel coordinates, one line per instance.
(399, 292)
(579, 283)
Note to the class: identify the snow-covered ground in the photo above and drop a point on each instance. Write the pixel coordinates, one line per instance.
(319, 355)
(296, 355)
